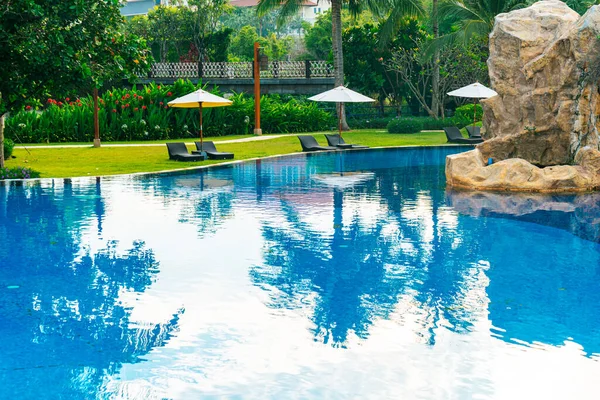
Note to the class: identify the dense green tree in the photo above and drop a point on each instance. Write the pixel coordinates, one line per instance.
(204, 16)
(172, 34)
(242, 44)
(59, 47)
(289, 8)
(165, 25)
(365, 60)
(265, 25)
(275, 48)
(317, 38)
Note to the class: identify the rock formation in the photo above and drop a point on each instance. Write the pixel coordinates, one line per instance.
(577, 214)
(541, 131)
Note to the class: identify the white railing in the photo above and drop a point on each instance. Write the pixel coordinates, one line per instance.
(242, 70)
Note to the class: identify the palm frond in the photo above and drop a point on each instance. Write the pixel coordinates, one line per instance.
(457, 10)
(287, 9)
(461, 37)
(399, 10)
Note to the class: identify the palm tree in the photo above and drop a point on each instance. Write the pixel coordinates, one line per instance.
(470, 18)
(398, 8)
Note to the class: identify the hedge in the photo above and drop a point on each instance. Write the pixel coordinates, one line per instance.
(405, 125)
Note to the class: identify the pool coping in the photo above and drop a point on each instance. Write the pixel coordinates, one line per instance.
(21, 182)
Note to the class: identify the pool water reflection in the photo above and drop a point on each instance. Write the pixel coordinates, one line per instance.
(342, 275)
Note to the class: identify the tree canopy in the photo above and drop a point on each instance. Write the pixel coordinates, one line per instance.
(63, 46)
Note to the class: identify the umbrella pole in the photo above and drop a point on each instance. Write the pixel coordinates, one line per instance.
(201, 134)
(474, 111)
(340, 120)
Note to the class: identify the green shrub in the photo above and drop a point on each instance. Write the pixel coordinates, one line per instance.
(18, 173)
(432, 124)
(142, 114)
(466, 112)
(9, 145)
(405, 125)
(370, 122)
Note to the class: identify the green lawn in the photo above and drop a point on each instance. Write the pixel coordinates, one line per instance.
(89, 161)
(187, 140)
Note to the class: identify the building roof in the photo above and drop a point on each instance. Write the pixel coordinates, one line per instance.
(254, 3)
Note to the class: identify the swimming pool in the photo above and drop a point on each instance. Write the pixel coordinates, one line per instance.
(345, 275)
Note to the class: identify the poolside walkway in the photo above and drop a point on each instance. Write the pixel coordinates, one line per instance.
(249, 139)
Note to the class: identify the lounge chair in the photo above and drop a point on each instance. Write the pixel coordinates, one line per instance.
(454, 136)
(211, 151)
(179, 152)
(338, 141)
(474, 131)
(309, 143)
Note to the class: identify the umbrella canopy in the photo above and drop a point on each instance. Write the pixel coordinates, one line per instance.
(341, 95)
(200, 99)
(474, 91)
(194, 99)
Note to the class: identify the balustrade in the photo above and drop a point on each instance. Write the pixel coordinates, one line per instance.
(242, 70)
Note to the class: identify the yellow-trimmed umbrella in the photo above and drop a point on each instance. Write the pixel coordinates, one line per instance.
(200, 99)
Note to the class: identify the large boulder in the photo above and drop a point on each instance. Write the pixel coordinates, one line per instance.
(468, 171)
(545, 64)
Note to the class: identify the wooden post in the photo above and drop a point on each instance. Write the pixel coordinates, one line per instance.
(96, 122)
(257, 130)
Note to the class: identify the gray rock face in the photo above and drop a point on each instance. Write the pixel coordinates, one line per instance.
(545, 65)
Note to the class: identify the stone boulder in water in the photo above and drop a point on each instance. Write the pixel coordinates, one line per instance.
(545, 65)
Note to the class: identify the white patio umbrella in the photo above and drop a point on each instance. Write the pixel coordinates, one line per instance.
(474, 91)
(200, 99)
(341, 95)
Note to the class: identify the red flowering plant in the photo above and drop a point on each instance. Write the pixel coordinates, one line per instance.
(146, 107)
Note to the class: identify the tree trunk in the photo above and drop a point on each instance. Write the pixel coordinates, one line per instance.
(338, 55)
(436, 107)
(2, 117)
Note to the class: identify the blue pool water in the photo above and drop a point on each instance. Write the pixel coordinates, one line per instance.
(347, 275)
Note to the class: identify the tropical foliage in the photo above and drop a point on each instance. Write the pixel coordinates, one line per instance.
(18, 173)
(62, 47)
(392, 9)
(142, 114)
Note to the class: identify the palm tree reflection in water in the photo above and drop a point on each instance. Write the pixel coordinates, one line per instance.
(64, 327)
(371, 266)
